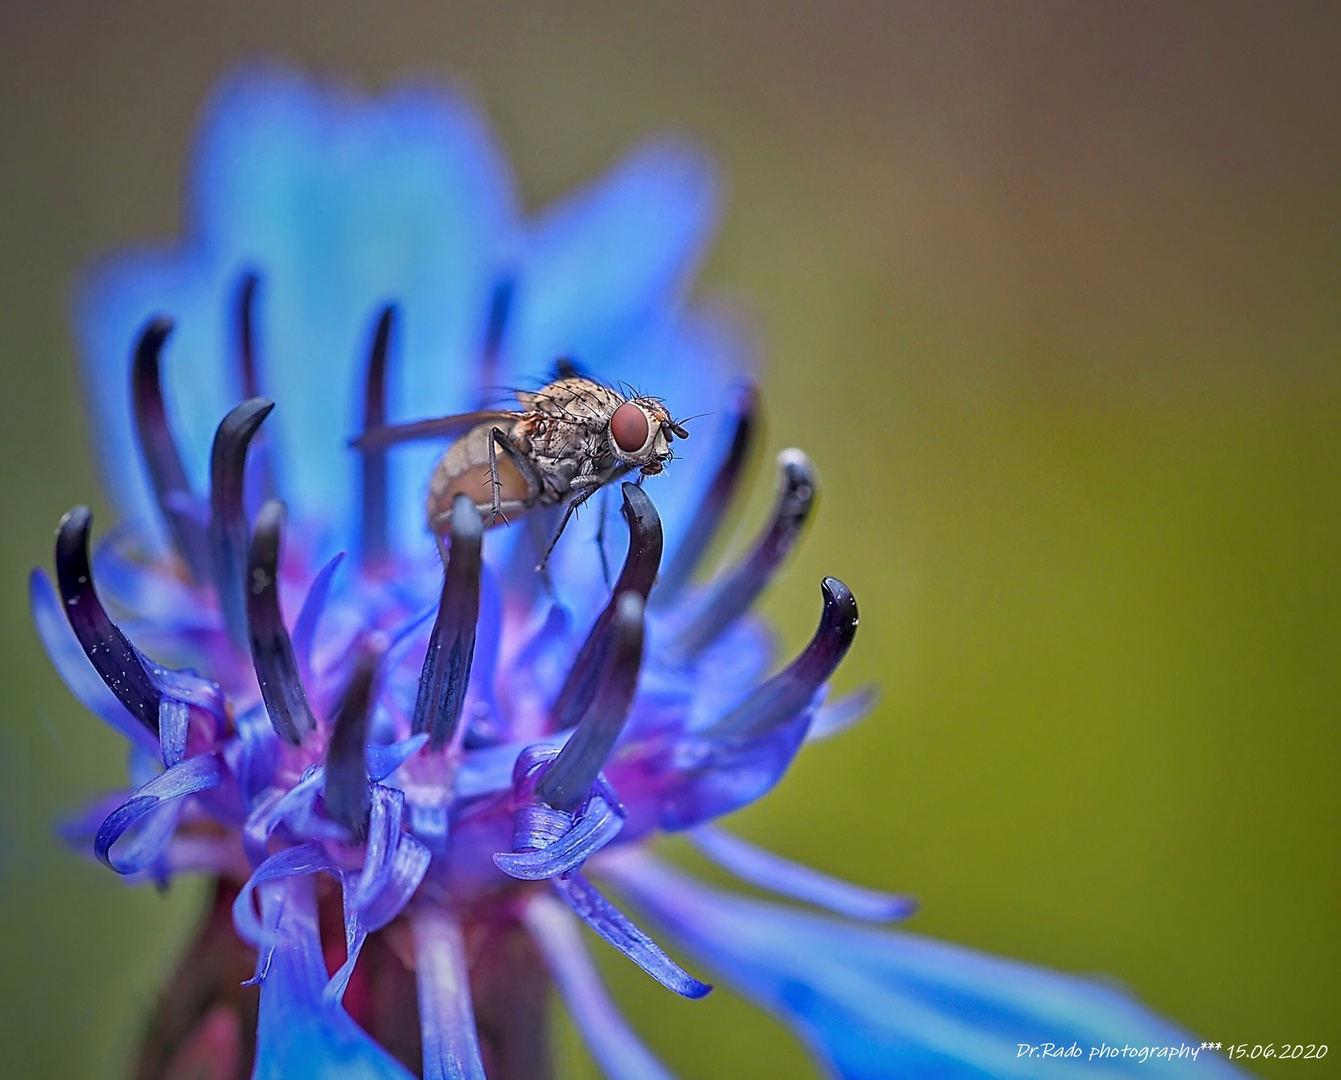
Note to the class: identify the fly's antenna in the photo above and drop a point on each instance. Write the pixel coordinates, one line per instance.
(678, 426)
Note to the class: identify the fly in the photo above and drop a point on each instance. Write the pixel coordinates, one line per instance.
(565, 442)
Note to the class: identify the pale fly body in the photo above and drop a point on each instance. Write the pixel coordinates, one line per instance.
(566, 441)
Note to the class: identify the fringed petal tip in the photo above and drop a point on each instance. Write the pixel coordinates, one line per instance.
(875, 1003)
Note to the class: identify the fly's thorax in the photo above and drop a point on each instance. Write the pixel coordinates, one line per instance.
(578, 401)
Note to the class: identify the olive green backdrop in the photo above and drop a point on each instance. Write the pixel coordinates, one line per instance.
(1049, 292)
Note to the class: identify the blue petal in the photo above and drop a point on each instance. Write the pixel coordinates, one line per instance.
(341, 204)
(834, 717)
(602, 261)
(765, 870)
(614, 926)
(384, 759)
(394, 863)
(612, 1042)
(716, 776)
(290, 863)
(305, 626)
(596, 826)
(446, 1014)
(161, 793)
(300, 1037)
(880, 1004)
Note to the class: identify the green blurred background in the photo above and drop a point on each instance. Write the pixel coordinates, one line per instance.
(1050, 293)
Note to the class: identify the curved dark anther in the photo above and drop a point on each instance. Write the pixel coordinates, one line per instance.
(572, 773)
(271, 650)
(261, 485)
(348, 797)
(500, 311)
(732, 594)
(743, 421)
(791, 690)
(451, 646)
(640, 571)
(171, 488)
(246, 334)
(372, 481)
(115, 659)
(228, 520)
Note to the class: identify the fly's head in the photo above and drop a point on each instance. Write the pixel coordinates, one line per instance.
(640, 433)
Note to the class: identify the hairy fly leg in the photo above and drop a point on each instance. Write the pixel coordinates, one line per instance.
(500, 439)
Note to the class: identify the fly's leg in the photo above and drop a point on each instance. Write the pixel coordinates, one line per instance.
(497, 439)
(590, 488)
(600, 534)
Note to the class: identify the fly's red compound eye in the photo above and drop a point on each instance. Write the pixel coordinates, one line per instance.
(629, 428)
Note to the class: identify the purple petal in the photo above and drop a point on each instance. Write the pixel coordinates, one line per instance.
(384, 819)
(394, 865)
(161, 600)
(405, 871)
(876, 1003)
(383, 760)
(611, 1041)
(834, 717)
(291, 862)
(253, 755)
(299, 1036)
(446, 1017)
(294, 805)
(305, 626)
(712, 777)
(192, 775)
(174, 722)
(764, 870)
(598, 824)
(611, 924)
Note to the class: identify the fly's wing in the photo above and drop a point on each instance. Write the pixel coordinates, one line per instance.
(442, 427)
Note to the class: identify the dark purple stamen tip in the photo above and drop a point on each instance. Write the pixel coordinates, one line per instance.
(271, 650)
(167, 475)
(743, 421)
(732, 594)
(228, 520)
(792, 689)
(640, 571)
(246, 334)
(565, 784)
(373, 476)
(347, 795)
(114, 658)
(451, 646)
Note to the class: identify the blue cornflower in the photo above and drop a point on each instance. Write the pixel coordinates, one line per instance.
(405, 758)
